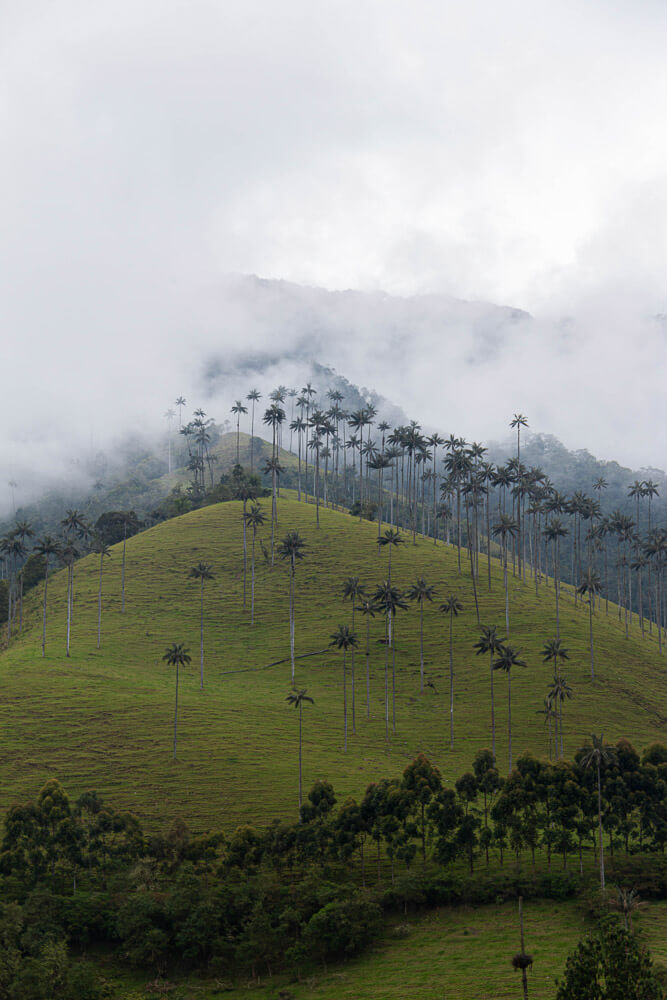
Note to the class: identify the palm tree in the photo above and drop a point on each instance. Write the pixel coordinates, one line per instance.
(590, 585)
(47, 547)
(392, 539)
(421, 591)
(298, 698)
(343, 638)
(368, 608)
(128, 520)
(626, 902)
(291, 548)
(507, 658)
(554, 651)
(254, 518)
(558, 692)
(390, 600)
(253, 397)
(177, 656)
(238, 408)
(553, 532)
(180, 403)
(518, 421)
(489, 642)
(452, 606)
(102, 549)
(549, 713)
(23, 530)
(506, 528)
(353, 591)
(299, 426)
(655, 549)
(201, 572)
(598, 756)
(69, 553)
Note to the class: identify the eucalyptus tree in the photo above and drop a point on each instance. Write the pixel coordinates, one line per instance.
(101, 549)
(353, 591)
(291, 549)
(451, 607)
(177, 656)
(505, 529)
(507, 658)
(598, 756)
(421, 591)
(558, 692)
(47, 547)
(298, 700)
(391, 539)
(254, 519)
(202, 571)
(491, 643)
(390, 600)
(238, 408)
(368, 609)
(344, 638)
(554, 531)
(591, 586)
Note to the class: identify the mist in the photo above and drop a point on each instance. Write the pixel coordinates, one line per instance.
(509, 157)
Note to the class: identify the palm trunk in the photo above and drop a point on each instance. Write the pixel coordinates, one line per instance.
(421, 645)
(201, 634)
(590, 632)
(509, 714)
(291, 624)
(46, 581)
(493, 715)
(451, 682)
(393, 679)
(386, 675)
(345, 699)
(245, 555)
(69, 606)
(99, 604)
(300, 783)
(368, 678)
(252, 579)
(122, 573)
(176, 713)
(602, 886)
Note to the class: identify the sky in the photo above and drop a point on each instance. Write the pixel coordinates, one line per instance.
(511, 153)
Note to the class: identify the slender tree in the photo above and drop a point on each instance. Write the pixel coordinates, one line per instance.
(598, 756)
(353, 591)
(46, 547)
(507, 658)
(505, 529)
(554, 652)
(254, 518)
(298, 699)
(202, 571)
(101, 548)
(392, 539)
(238, 408)
(368, 608)
(558, 692)
(291, 549)
(177, 656)
(591, 586)
(252, 397)
(451, 607)
(490, 642)
(421, 591)
(343, 638)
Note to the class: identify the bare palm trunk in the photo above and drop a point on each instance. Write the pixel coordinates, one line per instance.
(602, 886)
(176, 713)
(252, 579)
(122, 573)
(99, 604)
(69, 606)
(368, 677)
(345, 699)
(300, 782)
(451, 682)
(291, 624)
(46, 580)
(421, 645)
(509, 715)
(493, 715)
(201, 634)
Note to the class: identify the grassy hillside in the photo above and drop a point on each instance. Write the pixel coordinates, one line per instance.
(103, 719)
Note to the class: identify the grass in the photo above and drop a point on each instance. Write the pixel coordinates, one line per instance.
(458, 953)
(103, 719)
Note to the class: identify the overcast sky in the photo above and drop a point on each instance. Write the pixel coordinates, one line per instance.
(514, 152)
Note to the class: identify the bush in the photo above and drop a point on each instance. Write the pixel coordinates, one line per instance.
(343, 928)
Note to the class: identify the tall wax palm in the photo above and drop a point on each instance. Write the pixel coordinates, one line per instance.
(549, 713)
(554, 652)
(47, 547)
(392, 539)
(490, 642)
(353, 591)
(591, 586)
(69, 553)
(433, 442)
(421, 591)
(202, 571)
(23, 530)
(254, 518)
(298, 425)
(638, 565)
(101, 548)
(253, 397)
(507, 658)
(180, 402)
(177, 656)
(244, 493)
(298, 699)
(505, 529)
(558, 692)
(368, 609)
(451, 607)
(291, 550)
(553, 532)
(390, 600)
(343, 638)
(129, 520)
(379, 462)
(519, 421)
(273, 466)
(598, 756)
(238, 408)
(655, 549)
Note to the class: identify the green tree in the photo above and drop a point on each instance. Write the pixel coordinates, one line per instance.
(451, 607)
(101, 548)
(202, 571)
(177, 656)
(610, 964)
(353, 591)
(291, 550)
(554, 532)
(505, 529)
(421, 591)
(238, 408)
(591, 586)
(47, 547)
(253, 397)
(392, 539)
(554, 652)
(298, 699)
(390, 600)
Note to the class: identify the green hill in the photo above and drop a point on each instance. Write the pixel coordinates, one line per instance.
(103, 719)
